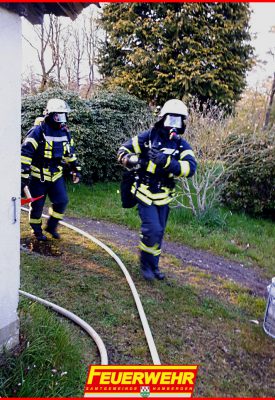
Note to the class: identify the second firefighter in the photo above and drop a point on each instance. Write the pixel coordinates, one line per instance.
(47, 146)
(158, 155)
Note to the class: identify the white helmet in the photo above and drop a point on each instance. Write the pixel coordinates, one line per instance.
(174, 106)
(57, 106)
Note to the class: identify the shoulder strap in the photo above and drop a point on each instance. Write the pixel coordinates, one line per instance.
(42, 137)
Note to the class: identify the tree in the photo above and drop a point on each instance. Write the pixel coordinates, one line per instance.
(66, 53)
(163, 50)
(48, 34)
(29, 82)
(91, 32)
(272, 92)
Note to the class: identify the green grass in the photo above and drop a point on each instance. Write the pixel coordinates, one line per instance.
(195, 318)
(49, 363)
(243, 238)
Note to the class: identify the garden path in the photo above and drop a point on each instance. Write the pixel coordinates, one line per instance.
(250, 277)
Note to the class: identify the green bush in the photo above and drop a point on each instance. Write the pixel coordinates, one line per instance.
(249, 184)
(99, 126)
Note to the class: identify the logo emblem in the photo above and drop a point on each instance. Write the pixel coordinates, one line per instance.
(145, 391)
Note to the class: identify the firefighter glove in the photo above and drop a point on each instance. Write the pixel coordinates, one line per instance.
(158, 157)
(130, 160)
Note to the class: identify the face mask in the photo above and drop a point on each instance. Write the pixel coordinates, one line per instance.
(173, 121)
(59, 117)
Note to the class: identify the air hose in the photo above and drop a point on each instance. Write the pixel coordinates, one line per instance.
(146, 328)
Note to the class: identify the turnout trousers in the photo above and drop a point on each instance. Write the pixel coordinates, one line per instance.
(58, 196)
(153, 223)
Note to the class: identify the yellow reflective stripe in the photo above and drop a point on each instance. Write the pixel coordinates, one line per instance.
(136, 145)
(72, 142)
(184, 168)
(48, 176)
(124, 148)
(139, 195)
(48, 149)
(26, 160)
(143, 198)
(72, 158)
(35, 221)
(163, 202)
(55, 214)
(25, 175)
(186, 153)
(56, 176)
(151, 250)
(167, 162)
(32, 141)
(154, 196)
(46, 171)
(143, 193)
(36, 175)
(151, 167)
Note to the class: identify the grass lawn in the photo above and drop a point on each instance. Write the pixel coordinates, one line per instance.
(195, 318)
(243, 238)
(49, 359)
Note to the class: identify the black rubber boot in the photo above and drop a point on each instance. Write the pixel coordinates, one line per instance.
(52, 226)
(37, 232)
(159, 275)
(147, 273)
(40, 236)
(54, 233)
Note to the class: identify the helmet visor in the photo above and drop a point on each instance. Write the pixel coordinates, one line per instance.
(59, 117)
(173, 121)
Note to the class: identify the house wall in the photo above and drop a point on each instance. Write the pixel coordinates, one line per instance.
(10, 116)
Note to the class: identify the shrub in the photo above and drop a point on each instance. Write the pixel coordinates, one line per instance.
(99, 126)
(250, 184)
(207, 129)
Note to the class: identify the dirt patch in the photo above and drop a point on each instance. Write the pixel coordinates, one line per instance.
(48, 249)
(248, 277)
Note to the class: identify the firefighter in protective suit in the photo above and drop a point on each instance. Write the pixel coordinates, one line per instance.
(47, 146)
(159, 155)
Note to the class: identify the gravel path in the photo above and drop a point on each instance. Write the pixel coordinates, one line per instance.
(249, 277)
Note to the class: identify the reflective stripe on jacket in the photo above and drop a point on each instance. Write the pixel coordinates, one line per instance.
(44, 150)
(156, 184)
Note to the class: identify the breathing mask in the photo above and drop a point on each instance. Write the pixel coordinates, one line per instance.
(59, 117)
(173, 121)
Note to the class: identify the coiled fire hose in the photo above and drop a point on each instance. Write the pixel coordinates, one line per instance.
(146, 328)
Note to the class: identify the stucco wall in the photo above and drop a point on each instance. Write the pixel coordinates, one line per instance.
(10, 115)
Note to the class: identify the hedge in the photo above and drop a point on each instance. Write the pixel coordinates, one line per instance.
(250, 184)
(99, 126)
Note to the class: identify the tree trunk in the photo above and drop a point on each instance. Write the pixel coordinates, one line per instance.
(270, 103)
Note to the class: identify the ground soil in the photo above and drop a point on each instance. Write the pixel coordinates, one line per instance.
(249, 277)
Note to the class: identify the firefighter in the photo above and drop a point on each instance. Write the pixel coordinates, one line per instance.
(46, 148)
(158, 155)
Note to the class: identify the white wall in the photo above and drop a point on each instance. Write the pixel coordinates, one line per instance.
(10, 116)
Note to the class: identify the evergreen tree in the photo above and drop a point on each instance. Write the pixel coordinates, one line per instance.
(162, 50)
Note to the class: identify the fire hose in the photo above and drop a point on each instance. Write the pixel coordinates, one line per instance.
(146, 328)
(68, 314)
